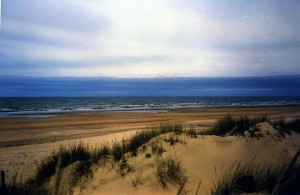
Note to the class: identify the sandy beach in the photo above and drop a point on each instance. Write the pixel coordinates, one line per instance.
(67, 126)
(24, 142)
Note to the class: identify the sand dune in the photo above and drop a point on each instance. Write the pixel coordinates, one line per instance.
(31, 140)
(204, 159)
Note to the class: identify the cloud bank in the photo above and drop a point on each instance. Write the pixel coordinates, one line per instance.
(159, 38)
(148, 87)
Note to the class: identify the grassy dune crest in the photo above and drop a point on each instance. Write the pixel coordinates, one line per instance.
(229, 125)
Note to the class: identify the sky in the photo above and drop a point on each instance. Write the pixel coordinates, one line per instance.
(148, 87)
(153, 38)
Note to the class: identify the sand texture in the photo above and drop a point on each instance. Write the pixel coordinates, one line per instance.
(25, 142)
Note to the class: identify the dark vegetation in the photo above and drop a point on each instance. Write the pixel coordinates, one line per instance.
(247, 178)
(61, 159)
(192, 132)
(255, 178)
(288, 126)
(229, 125)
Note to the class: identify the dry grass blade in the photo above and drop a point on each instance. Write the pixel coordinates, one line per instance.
(182, 186)
(198, 187)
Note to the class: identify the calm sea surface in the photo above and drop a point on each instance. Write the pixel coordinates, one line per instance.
(44, 107)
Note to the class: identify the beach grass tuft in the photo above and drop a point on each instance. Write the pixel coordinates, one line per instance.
(248, 178)
(288, 126)
(99, 152)
(157, 148)
(176, 127)
(191, 132)
(229, 125)
(172, 139)
(117, 151)
(294, 125)
(142, 137)
(169, 169)
(257, 178)
(65, 156)
(15, 186)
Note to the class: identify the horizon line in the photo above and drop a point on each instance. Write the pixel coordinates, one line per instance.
(157, 77)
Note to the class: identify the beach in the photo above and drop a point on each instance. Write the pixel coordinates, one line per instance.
(68, 126)
(24, 142)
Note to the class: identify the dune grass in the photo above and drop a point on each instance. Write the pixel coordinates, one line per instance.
(157, 148)
(229, 125)
(15, 186)
(191, 132)
(83, 156)
(65, 156)
(293, 125)
(256, 178)
(176, 127)
(172, 139)
(99, 152)
(142, 137)
(169, 169)
(248, 178)
(288, 126)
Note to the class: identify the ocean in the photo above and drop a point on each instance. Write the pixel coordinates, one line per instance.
(38, 107)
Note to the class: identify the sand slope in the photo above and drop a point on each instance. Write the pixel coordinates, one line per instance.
(204, 159)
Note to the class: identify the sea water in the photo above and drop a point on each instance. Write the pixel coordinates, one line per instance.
(45, 107)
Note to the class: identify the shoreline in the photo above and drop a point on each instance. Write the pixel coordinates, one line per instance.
(49, 114)
(46, 114)
(16, 131)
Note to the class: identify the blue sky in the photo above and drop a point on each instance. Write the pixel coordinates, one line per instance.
(157, 38)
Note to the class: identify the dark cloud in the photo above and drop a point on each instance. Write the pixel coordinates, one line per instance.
(234, 86)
